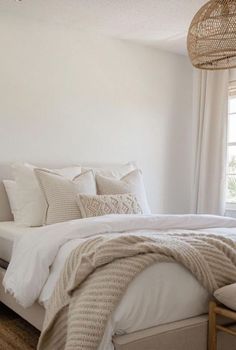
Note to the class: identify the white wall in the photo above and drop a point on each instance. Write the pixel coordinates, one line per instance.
(72, 97)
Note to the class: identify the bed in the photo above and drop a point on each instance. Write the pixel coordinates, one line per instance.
(174, 325)
(9, 232)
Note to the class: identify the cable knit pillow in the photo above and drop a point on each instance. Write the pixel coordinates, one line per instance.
(130, 183)
(108, 204)
(60, 194)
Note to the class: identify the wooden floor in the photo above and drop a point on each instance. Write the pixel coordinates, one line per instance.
(15, 333)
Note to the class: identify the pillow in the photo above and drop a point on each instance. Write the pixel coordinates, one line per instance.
(130, 183)
(60, 194)
(31, 205)
(227, 296)
(108, 204)
(113, 171)
(10, 187)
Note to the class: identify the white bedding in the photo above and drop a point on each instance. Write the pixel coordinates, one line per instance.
(9, 232)
(163, 293)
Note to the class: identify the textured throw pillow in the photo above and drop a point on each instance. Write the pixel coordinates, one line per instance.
(108, 204)
(227, 296)
(130, 183)
(10, 187)
(61, 194)
(31, 207)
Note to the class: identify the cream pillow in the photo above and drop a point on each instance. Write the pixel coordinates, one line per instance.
(227, 296)
(130, 183)
(108, 204)
(60, 194)
(31, 207)
(113, 171)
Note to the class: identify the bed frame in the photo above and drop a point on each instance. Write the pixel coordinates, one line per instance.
(189, 334)
(34, 314)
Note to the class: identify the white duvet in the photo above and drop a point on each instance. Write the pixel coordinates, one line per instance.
(165, 292)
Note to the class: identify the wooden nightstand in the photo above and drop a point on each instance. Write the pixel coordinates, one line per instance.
(214, 311)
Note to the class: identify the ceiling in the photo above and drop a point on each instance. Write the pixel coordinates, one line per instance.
(160, 23)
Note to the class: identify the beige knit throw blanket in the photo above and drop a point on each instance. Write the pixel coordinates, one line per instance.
(98, 272)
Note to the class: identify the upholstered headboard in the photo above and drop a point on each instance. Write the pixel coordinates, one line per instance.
(5, 212)
(6, 173)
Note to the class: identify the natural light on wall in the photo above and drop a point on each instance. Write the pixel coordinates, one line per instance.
(231, 159)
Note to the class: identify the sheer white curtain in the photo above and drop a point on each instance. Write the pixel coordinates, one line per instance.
(210, 105)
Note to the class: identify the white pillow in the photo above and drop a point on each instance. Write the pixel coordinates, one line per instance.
(227, 296)
(31, 206)
(99, 205)
(61, 194)
(130, 183)
(10, 187)
(113, 171)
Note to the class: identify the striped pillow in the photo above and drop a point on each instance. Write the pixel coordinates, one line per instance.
(60, 194)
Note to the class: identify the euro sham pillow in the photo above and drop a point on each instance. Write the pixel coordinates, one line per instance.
(130, 183)
(99, 205)
(30, 202)
(113, 171)
(60, 194)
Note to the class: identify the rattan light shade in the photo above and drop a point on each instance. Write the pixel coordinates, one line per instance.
(212, 36)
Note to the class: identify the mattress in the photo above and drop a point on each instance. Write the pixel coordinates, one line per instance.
(9, 232)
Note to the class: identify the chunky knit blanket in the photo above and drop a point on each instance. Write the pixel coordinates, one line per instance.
(98, 272)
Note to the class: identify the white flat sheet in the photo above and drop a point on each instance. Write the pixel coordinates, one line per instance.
(9, 232)
(163, 293)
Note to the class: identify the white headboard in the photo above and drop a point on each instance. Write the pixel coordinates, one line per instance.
(5, 212)
(6, 173)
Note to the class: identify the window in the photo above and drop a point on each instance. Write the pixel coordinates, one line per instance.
(231, 151)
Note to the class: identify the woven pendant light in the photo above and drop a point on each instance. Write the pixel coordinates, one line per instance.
(212, 36)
